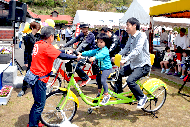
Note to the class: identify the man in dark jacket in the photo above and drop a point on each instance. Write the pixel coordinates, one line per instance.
(86, 41)
(114, 47)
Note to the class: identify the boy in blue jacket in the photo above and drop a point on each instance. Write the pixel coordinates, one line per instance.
(101, 54)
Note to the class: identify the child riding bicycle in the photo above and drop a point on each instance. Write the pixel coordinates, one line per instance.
(101, 54)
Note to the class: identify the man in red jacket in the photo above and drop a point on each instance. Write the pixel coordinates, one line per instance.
(44, 54)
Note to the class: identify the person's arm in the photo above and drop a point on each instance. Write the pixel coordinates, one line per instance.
(90, 52)
(126, 49)
(185, 43)
(65, 56)
(72, 41)
(89, 39)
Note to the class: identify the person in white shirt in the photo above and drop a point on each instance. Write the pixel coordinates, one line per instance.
(68, 34)
(63, 33)
(181, 40)
(164, 38)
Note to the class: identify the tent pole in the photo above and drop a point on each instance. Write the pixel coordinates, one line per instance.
(151, 32)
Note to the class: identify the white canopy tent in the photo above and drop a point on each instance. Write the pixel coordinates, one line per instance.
(97, 18)
(140, 10)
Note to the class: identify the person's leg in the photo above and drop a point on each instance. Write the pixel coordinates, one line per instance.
(66, 39)
(125, 71)
(85, 78)
(25, 84)
(39, 94)
(135, 75)
(98, 80)
(20, 43)
(183, 72)
(104, 76)
(179, 69)
(162, 66)
(166, 66)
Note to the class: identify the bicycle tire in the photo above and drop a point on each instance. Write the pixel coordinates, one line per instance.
(124, 83)
(153, 105)
(55, 85)
(51, 115)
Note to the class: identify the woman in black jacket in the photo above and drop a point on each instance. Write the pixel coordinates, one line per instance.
(29, 41)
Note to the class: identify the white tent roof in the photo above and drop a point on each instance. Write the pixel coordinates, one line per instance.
(97, 18)
(171, 22)
(140, 10)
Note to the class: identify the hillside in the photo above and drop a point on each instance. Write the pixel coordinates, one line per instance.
(45, 7)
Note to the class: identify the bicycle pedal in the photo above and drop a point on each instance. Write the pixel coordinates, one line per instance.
(112, 98)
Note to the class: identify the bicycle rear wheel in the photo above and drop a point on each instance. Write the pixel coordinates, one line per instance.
(155, 104)
(52, 116)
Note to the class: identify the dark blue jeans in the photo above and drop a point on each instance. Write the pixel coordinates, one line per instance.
(134, 75)
(101, 79)
(20, 43)
(39, 94)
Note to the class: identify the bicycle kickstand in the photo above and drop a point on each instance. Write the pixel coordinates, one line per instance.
(154, 116)
(181, 87)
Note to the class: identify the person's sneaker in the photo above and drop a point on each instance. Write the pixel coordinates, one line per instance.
(169, 73)
(97, 95)
(175, 74)
(105, 99)
(179, 74)
(182, 77)
(83, 84)
(162, 71)
(40, 125)
(142, 102)
(21, 93)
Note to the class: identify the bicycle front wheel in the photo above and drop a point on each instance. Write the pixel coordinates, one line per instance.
(52, 115)
(155, 104)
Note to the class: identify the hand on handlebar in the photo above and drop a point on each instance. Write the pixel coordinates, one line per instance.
(70, 52)
(122, 62)
(92, 59)
(80, 54)
(79, 58)
(26, 65)
(113, 59)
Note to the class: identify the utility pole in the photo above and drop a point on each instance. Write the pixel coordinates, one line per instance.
(63, 6)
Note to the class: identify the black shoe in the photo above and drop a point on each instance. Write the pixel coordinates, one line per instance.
(21, 93)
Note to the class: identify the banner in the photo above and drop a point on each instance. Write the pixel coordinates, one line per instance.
(77, 32)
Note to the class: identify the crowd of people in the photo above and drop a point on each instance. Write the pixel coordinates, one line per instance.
(39, 51)
(175, 59)
(100, 46)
